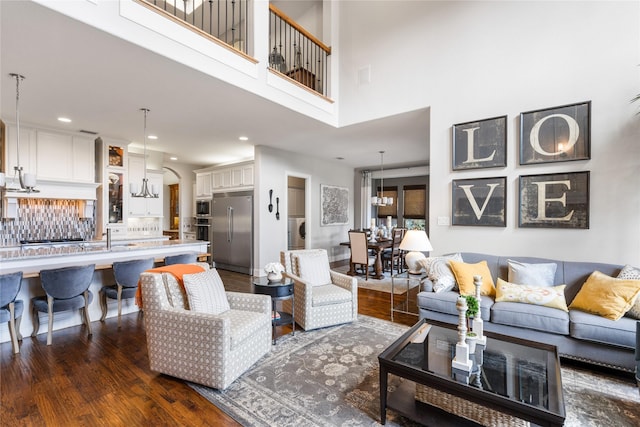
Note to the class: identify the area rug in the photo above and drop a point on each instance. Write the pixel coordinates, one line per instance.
(382, 285)
(329, 377)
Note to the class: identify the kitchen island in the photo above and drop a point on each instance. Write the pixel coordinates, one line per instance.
(31, 260)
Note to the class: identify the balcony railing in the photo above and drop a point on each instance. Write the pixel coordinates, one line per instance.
(296, 53)
(225, 20)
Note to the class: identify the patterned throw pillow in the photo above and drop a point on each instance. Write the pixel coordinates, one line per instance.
(631, 273)
(547, 296)
(439, 271)
(541, 274)
(205, 292)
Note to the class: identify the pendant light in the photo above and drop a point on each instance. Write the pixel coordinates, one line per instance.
(144, 191)
(381, 201)
(21, 182)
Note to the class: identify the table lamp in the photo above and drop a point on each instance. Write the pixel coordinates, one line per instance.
(415, 242)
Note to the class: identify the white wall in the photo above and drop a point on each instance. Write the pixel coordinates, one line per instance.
(475, 60)
(270, 235)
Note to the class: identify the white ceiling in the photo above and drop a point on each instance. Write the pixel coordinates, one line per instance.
(101, 82)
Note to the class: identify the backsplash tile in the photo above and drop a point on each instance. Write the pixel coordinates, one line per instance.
(40, 219)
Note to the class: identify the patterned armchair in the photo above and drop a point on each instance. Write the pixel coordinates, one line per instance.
(207, 349)
(322, 297)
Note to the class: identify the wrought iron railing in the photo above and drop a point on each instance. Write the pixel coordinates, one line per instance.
(296, 53)
(226, 20)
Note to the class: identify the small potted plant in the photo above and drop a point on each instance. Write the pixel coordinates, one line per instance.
(274, 271)
(472, 311)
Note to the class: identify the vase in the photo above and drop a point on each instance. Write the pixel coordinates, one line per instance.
(471, 342)
(274, 277)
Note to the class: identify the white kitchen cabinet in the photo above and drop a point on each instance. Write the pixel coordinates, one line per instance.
(140, 206)
(111, 170)
(236, 177)
(83, 160)
(54, 156)
(242, 176)
(226, 178)
(64, 157)
(203, 184)
(221, 179)
(247, 175)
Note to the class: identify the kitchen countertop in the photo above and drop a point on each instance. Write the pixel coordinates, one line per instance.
(32, 259)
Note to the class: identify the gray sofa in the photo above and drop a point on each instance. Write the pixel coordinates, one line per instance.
(577, 334)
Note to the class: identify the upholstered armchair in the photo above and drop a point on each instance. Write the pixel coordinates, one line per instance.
(322, 297)
(208, 349)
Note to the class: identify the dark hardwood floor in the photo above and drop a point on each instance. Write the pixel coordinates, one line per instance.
(104, 380)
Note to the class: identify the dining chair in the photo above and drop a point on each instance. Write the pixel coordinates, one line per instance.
(66, 288)
(394, 256)
(359, 251)
(186, 258)
(10, 307)
(127, 275)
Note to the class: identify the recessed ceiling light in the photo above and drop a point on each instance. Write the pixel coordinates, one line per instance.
(173, 158)
(244, 138)
(64, 120)
(152, 137)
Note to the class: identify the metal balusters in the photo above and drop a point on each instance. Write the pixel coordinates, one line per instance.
(227, 21)
(296, 53)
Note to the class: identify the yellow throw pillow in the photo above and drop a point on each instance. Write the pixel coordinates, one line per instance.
(606, 296)
(464, 276)
(547, 296)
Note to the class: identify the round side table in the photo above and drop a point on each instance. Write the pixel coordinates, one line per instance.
(281, 290)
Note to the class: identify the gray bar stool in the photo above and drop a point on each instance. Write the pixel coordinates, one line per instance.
(10, 307)
(127, 274)
(66, 289)
(186, 258)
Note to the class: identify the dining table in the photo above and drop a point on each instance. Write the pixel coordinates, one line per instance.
(377, 246)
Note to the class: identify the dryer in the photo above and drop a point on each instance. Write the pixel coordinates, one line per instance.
(296, 233)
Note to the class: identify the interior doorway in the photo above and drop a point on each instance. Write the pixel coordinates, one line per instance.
(297, 212)
(171, 210)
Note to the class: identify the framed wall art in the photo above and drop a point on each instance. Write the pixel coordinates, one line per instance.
(479, 201)
(557, 200)
(480, 144)
(334, 202)
(557, 134)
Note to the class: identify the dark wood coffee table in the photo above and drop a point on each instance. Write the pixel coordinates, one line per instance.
(511, 379)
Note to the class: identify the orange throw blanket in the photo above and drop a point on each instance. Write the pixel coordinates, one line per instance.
(177, 270)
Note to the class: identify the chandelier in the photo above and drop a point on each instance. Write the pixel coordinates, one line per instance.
(144, 191)
(381, 200)
(21, 182)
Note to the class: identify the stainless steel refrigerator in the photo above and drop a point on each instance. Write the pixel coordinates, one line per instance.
(233, 231)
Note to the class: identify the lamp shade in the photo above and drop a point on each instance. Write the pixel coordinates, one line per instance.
(415, 242)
